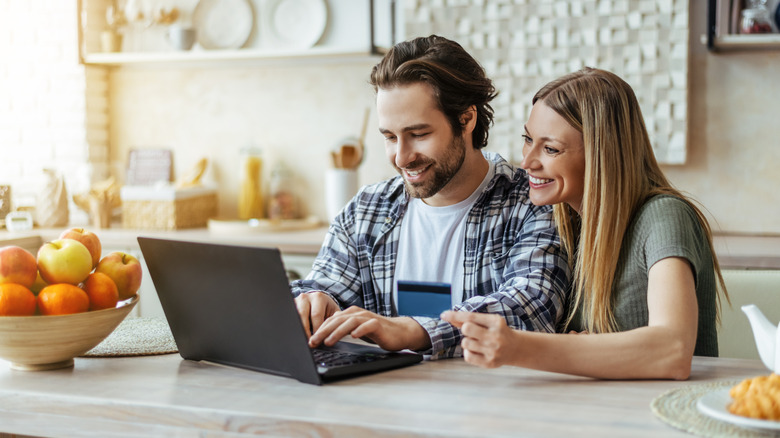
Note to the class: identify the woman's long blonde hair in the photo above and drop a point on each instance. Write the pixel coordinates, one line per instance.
(621, 173)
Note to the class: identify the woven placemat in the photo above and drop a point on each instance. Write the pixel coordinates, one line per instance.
(136, 337)
(677, 407)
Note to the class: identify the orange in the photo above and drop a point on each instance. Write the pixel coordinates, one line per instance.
(62, 299)
(102, 291)
(16, 300)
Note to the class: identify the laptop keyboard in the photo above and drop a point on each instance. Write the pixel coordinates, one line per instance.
(333, 358)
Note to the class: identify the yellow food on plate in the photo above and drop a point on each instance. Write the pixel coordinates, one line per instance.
(757, 397)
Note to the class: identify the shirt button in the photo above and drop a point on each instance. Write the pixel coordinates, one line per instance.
(388, 220)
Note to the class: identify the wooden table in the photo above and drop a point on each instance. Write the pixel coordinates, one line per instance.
(167, 396)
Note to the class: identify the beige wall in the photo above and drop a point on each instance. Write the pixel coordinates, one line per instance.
(296, 114)
(734, 134)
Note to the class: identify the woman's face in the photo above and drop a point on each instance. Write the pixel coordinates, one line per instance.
(554, 157)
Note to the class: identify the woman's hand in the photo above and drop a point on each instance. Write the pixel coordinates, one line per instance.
(487, 341)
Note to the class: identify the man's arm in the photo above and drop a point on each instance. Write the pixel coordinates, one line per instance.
(329, 286)
(335, 271)
(531, 287)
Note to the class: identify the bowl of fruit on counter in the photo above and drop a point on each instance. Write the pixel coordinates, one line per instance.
(63, 301)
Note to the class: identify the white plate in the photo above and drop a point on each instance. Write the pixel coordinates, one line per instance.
(223, 24)
(297, 24)
(715, 404)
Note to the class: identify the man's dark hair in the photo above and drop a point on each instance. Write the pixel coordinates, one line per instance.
(457, 79)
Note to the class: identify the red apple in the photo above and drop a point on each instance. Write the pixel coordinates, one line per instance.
(88, 239)
(125, 270)
(64, 261)
(17, 265)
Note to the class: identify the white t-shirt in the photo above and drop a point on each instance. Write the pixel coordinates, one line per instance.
(431, 247)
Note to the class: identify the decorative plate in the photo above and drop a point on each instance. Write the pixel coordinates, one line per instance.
(223, 24)
(715, 404)
(297, 24)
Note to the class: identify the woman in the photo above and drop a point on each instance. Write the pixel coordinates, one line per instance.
(644, 295)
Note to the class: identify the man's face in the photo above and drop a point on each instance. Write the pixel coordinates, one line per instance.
(418, 139)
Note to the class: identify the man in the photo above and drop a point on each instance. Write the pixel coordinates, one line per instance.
(454, 215)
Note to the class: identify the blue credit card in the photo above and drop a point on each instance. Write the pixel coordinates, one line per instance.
(423, 298)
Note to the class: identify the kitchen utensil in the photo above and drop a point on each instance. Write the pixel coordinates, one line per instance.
(350, 158)
(340, 186)
(362, 138)
(181, 38)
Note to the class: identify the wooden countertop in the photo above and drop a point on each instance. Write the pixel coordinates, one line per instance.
(306, 241)
(168, 396)
(735, 251)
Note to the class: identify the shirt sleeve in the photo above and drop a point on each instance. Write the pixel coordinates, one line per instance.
(335, 271)
(534, 280)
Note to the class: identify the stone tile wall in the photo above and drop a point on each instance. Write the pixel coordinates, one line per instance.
(525, 43)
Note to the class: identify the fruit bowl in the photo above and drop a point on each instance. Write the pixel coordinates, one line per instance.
(33, 343)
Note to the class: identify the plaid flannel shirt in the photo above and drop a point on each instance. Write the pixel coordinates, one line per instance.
(514, 264)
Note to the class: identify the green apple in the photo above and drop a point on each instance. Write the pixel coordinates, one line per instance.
(125, 270)
(64, 261)
(17, 265)
(88, 238)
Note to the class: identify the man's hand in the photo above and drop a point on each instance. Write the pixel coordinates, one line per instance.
(392, 334)
(487, 341)
(314, 308)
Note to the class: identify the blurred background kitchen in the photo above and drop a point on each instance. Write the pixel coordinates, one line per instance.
(71, 104)
(201, 119)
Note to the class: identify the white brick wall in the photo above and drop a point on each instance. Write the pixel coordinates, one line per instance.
(523, 44)
(53, 110)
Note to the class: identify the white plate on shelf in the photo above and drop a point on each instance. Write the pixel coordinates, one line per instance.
(223, 24)
(715, 404)
(296, 24)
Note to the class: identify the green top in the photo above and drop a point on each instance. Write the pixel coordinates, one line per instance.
(665, 226)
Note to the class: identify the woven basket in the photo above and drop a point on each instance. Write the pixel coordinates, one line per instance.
(181, 208)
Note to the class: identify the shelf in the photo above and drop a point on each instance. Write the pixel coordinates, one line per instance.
(747, 42)
(315, 54)
(356, 31)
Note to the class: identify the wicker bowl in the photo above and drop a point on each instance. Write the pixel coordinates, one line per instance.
(34, 343)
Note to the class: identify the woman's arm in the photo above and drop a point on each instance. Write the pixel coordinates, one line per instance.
(662, 350)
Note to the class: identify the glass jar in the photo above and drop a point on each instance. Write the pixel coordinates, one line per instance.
(755, 20)
(250, 198)
(282, 203)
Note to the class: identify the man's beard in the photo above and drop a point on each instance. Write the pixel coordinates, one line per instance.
(443, 171)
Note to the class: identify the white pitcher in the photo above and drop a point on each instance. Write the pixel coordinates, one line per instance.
(767, 337)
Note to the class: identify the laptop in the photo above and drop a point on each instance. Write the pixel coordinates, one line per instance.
(232, 305)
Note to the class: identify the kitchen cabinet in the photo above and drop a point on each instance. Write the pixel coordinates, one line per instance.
(353, 30)
(719, 39)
